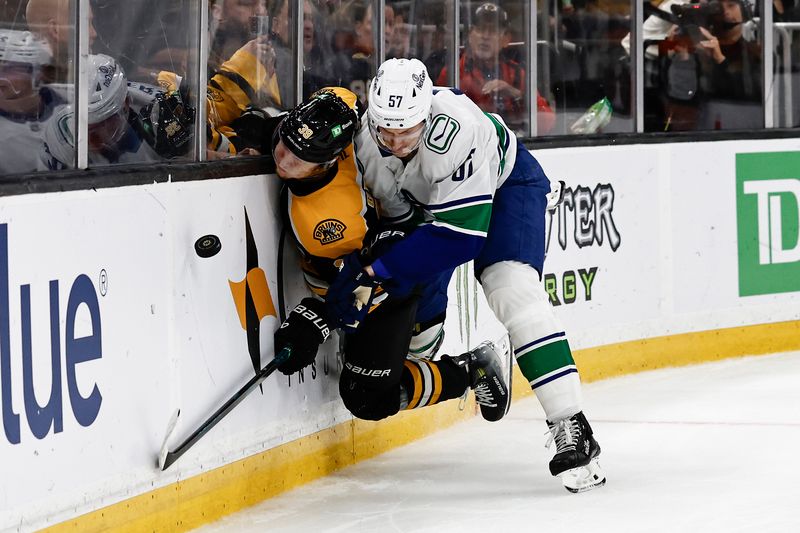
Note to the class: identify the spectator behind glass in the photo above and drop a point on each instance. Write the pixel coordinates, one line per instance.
(654, 28)
(786, 10)
(317, 72)
(52, 21)
(354, 46)
(713, 74)
(433, 15)
(231, 25)
(24, 103)
(493, 80)
(241, 60)
(396, 34)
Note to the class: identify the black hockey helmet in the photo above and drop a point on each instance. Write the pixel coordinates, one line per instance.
(320, 128)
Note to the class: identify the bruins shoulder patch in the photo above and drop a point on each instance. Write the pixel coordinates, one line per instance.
(329, 230)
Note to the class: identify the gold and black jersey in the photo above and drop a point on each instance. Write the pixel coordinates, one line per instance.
(237, 84)
(332, 215)
(329, 219)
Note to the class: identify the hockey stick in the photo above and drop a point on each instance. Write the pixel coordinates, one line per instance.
(166, 457)
(281, 302)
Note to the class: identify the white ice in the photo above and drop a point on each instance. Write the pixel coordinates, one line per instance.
(706, 448)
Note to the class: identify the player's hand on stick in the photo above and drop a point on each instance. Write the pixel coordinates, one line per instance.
(305, 329)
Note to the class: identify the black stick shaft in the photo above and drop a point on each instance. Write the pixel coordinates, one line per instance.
(226, 408)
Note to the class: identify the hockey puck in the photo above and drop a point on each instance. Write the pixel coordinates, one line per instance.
(208, 246)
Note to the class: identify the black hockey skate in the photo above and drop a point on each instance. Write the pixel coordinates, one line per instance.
(488, 379)
(575, 461)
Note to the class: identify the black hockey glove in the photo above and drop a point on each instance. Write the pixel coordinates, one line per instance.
(170, 124)
(304, 330)
(350, 295)
(254, 128)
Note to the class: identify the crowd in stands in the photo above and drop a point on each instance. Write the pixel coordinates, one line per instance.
(699, 74)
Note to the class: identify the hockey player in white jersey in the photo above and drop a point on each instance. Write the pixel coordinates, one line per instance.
(483, 197)
(25, 105)
(128, 122)
(111, 137)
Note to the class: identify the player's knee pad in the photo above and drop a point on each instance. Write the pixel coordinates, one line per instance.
(369, 403)
(517, 296)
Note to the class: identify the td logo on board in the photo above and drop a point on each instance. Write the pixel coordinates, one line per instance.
(768, 221)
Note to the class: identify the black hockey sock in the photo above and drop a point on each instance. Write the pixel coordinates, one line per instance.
(431, 382)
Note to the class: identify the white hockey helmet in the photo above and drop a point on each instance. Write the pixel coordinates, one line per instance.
(400, 95)
(108, 88)
(58, 137)
(17, 46)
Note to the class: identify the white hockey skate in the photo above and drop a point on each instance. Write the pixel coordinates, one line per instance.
(583, 478)
(575, 461)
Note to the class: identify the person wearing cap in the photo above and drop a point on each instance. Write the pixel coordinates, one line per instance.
(490, 78)
(333, 220)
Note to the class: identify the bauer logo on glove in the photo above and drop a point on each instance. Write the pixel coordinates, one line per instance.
(313, 318)
(304, 330)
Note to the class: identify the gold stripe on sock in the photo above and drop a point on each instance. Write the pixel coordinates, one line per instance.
(437, 383)
(417, 375)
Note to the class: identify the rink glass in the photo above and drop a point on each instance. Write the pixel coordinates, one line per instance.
(585, 51)
(36, 55)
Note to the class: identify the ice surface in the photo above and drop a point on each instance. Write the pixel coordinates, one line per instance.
(706, 448)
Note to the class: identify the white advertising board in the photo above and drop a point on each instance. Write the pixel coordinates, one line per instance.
(145, 326)
(720, 221)
(603, 265)
(109, 320)
(85, 305)
(219, 346)
(689, 232)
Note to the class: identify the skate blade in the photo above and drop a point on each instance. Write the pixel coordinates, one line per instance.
(583, 478)
(509, 371)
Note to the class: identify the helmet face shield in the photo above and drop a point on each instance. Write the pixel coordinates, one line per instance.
(105, 135)
(22, 56)
(16, 79)
(400, 142)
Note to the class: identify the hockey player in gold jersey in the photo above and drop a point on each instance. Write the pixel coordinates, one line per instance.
(333, 220)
